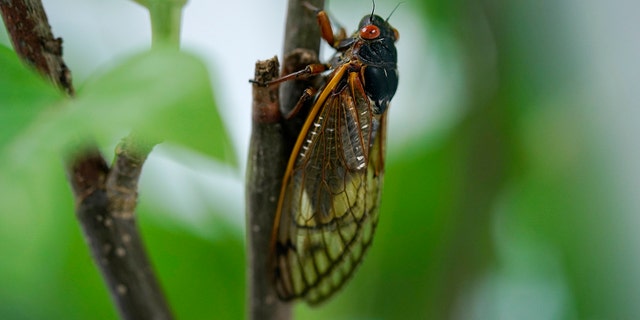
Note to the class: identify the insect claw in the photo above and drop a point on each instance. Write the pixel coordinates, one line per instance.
(259, 83)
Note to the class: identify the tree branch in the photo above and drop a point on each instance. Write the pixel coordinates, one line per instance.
(265, 169)
(105, 199)
(301, 48)
(31, 36)
(270, 146)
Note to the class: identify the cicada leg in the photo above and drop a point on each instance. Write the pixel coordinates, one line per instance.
(313, 69)
(309, 70)
(333, 39)
(304, 98)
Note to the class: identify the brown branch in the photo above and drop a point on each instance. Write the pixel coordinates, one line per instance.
(117, 248)
(122, 183)
(31, 36)
(105, 199)
(265, 169)
(270, 145)
(301, 47)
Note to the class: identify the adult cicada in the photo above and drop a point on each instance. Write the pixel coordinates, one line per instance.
(328, 206)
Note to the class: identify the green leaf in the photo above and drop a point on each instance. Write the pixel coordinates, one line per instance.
(161, 94)
(35, 228)
(202, 278)
(23, 95)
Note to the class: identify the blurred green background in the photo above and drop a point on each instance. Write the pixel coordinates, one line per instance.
(511, 186)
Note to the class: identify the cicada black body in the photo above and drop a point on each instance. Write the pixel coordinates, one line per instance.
(329, 202)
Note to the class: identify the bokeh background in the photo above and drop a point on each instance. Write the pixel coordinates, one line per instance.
(512, 176)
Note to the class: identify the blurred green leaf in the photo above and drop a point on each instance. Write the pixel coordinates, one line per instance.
(50, 273)
(36, 225)
(23, 95)
(162, 94)
(30, 200)
(202, 278)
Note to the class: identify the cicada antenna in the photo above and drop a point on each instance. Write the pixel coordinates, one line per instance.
(372, 10)
(394, 10)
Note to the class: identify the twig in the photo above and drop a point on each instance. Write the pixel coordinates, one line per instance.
(110, 229)
(265, 169)
(105, 199)
(271, 142)
(301, 47)
(28, 27)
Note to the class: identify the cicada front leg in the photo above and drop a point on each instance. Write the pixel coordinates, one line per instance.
(326, 30)
(308, 71)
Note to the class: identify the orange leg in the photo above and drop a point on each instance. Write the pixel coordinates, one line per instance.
(305, 73)
(304, 98)
(325, 27)
(313, 69)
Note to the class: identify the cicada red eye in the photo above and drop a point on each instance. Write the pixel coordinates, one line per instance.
(369, 32)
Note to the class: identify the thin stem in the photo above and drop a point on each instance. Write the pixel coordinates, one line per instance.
(166, 19)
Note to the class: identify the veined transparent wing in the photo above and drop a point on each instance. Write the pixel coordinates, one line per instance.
(328, 207)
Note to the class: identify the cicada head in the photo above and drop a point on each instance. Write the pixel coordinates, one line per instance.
(374, 27)
(377, 51)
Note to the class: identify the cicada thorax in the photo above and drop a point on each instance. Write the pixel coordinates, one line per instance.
(328, 207)
(379, 60)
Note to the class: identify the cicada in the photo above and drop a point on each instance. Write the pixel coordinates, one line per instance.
(328, 206)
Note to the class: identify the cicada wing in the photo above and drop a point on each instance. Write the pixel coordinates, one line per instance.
(329, 203)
